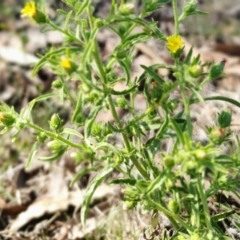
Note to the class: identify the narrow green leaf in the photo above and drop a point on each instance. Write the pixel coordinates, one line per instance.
(32, 153)
(60, 11)
(124, 92)
(153, 74)
(157, 182)
(90, 121)
(82, 173)
(73, 132)
(129, 181)
(39, 99)
(126, 70)
(178, 130)
(67, 19)
(226, 99)
(82, 8)
(91, 189)
(222, 216)
(189, 56)
(105, 146)
(198, 95)
(153, 146)
(221, 98)
(89, 47)
(78, 107)
(52, 157)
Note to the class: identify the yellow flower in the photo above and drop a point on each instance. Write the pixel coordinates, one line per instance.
(29, 10)
(174, 43)
(66, 63)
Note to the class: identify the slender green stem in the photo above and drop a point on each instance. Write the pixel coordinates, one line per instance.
(125, 139)
(187, 111)
(114, 113)
(66, 90)
(175, 13)
(99, 64)
(204, 202)
(53, 135)
(90, 16)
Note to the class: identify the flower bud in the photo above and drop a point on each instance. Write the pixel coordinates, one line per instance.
(173, 104)
(195, 71)
(216, 70)
(41, 137)
(7, 119)
(122, 29)
(223, 180)
(40, 17)
(169, 183)
(190, 7)
(130, 193)
(128, 205)
(217, 135)
(55, 122)
(225, 118)
(121, 102)
(56, 146)
(57, 84)
(96, 129)
(173, 206)
(200, 154)
(127, 8)
(168, 162)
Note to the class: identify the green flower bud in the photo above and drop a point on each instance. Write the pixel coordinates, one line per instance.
(55, 122)
(78, 157)
(173, 104)
(84, 24)
(216, 70)
(223, 180)
(169, 183)
(168, 162)
(96, 129)
(217, 135)
(200, 154)
(225, 118)
(92, 97)
(195, 71)
(126, 9)
(41, 137)
(56, 146)
(130, 193)
(122, 30)
(99, 23)
(177, 75)
(191, 164)
(121, 102)
(173, 206)
(41, 17)
(190, 7)
(7, 119)
(57, 84)
(128, 205)
(85, 88)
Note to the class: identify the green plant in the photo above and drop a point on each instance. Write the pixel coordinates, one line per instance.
(176, 187)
